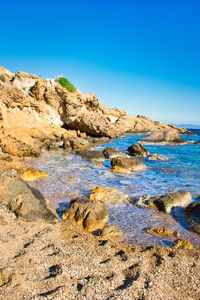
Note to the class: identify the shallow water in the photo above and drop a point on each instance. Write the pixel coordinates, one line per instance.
(70, 176)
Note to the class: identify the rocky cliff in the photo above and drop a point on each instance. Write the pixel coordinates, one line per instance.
(35, 111)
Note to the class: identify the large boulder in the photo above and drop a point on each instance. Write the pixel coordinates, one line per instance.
(192, 212)
(138, 150)
(164, 136)
(127, 165)
(108, 195)
(167, 202)
(91, 214)
(27, 203)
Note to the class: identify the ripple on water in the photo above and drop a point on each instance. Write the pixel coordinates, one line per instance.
(70, 176)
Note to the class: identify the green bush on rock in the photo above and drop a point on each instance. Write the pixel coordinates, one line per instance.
(66, 84)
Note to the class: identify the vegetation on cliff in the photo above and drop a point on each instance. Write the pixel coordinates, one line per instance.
(66, 84)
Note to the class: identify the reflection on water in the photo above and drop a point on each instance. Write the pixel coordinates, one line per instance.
(70, 176)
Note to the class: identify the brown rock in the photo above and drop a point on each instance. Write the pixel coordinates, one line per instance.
(93, 156)
(78, 145)
(27, 203)
(129, 164)
(138, 150)
(91, 214)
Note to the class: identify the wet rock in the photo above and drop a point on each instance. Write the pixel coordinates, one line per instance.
(163, 232)
(156, 156)
(27, 203)
(112, 153)
(138, 150)
(192, 212)
(91, 214)
(182, 244)
(108, 195)
(168, 201)
(93, 156)
(164, 136)
(120, 164)
(33, 174)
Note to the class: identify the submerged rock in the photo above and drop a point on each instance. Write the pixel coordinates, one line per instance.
(138, 150)
(108, 195)
(182, 244)
(192, 212)
(112, 153)
(127, 165)
(156, 156)
(164, 136)
(93, 156)
(163, 232)
(91, 214)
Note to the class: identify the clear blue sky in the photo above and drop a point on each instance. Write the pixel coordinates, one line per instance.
(140, 55)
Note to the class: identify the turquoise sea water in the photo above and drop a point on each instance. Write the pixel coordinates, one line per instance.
(70, 176)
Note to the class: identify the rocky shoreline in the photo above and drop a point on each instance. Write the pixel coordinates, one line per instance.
(43, 258)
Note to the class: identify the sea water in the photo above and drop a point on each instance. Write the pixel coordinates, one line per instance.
(70, 176)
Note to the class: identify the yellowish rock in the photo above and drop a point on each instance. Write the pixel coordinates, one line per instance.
(182, 244)
(163, 232)
(108, 195)
(33, 174)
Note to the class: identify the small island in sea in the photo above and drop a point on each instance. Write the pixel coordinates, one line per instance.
(94, 203)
